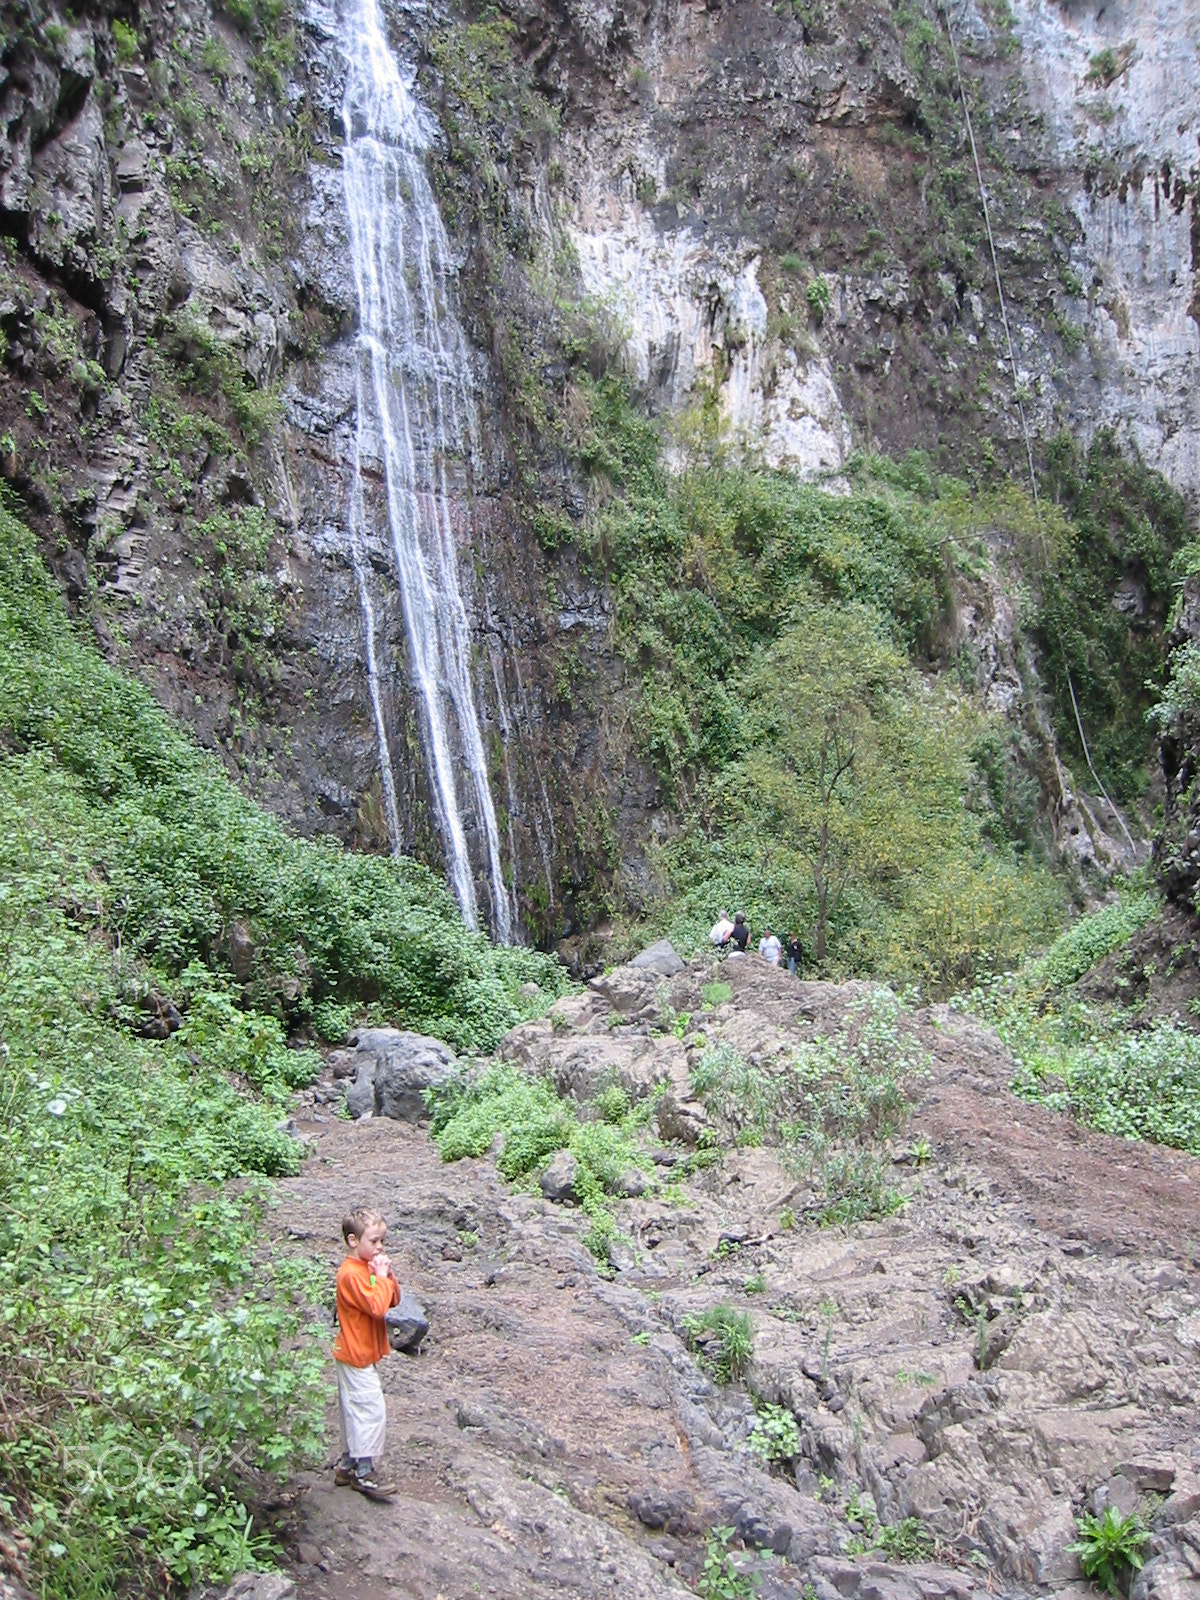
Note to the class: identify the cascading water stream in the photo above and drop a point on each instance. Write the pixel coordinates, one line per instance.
(416, 415)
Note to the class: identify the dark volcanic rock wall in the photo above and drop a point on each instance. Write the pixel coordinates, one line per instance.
(1177, 849)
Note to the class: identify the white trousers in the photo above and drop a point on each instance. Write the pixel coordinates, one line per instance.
(364, 1410)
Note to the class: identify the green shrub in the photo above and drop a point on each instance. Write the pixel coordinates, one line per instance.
(1110, 1548)
(148, 1341)
(723, 1338)
(719, 1577)
(828, 1105)
(907, 1540)
(1143, 1085)
(1138, 1083)
(612, 1104)
(819, 296)
(1107, 65)
(257, 18)
(245, 1042)
(776, 1433)
(768, 623)
(153, 1350)
(1089, 940)
(125, 42)
(469, 1111)
(1181, 693)
(1127, 524)
(742, 1098)
(857, 1185)
(207, 365)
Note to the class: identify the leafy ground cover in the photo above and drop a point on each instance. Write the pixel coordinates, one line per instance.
(534, 1122)
(157, 1367)
(1101, 1065)
(1127, 529)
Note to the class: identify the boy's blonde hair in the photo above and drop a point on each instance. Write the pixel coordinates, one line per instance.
(357, 1222)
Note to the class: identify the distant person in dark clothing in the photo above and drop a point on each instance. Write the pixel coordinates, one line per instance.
(795, 953)
(741, 933)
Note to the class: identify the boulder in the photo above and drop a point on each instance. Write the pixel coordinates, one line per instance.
(260, 1586)
(392, 1069)
(681, 1119)
(631, 1184)
(558, 1180)
(241, 952)
(1165, 1578)
(659, 958)
(580, 1064)
(342, 1063)
(622, 1257)
(1182, 1505)
(628, 990)
(407, 1324)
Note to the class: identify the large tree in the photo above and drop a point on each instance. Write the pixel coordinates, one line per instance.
(850, 764)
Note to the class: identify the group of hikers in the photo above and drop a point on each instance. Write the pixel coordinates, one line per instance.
(735, 935)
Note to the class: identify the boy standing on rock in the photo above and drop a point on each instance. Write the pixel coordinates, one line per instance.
(366, 1289)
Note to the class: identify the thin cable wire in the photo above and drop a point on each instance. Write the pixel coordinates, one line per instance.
(1012, 361)
(1088, 754)
(987, 219)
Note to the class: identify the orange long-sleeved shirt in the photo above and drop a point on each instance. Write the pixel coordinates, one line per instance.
(362, 1299)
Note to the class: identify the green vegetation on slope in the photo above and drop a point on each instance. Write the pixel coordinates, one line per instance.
(777, 637)
(185, 855)
(534, 1122)
(142, 1386)
(829, 1111)
(1136, 1081)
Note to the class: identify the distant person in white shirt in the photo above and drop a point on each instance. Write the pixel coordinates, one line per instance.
(769, 947)
(721, 930)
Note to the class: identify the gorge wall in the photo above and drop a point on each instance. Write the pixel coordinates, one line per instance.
(769, 215)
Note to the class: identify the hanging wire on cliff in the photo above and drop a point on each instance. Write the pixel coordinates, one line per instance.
(944, 13)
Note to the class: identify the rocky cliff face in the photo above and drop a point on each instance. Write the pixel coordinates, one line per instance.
(783, 205)
(772, 212)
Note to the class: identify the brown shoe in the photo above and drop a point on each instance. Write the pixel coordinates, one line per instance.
(373, 1486)
(343, 1477)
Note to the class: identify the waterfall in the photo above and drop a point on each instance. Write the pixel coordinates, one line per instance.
(417, 418)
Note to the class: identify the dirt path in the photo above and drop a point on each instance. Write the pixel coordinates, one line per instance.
(1019, 1341)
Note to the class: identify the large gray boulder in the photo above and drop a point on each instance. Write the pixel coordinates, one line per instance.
(558, 1180)
(392, 1069)
(660, 958)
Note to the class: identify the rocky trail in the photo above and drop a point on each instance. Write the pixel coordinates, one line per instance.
(1017, 1344)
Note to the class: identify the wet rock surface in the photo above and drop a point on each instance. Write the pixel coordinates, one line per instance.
(1018, 1344)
